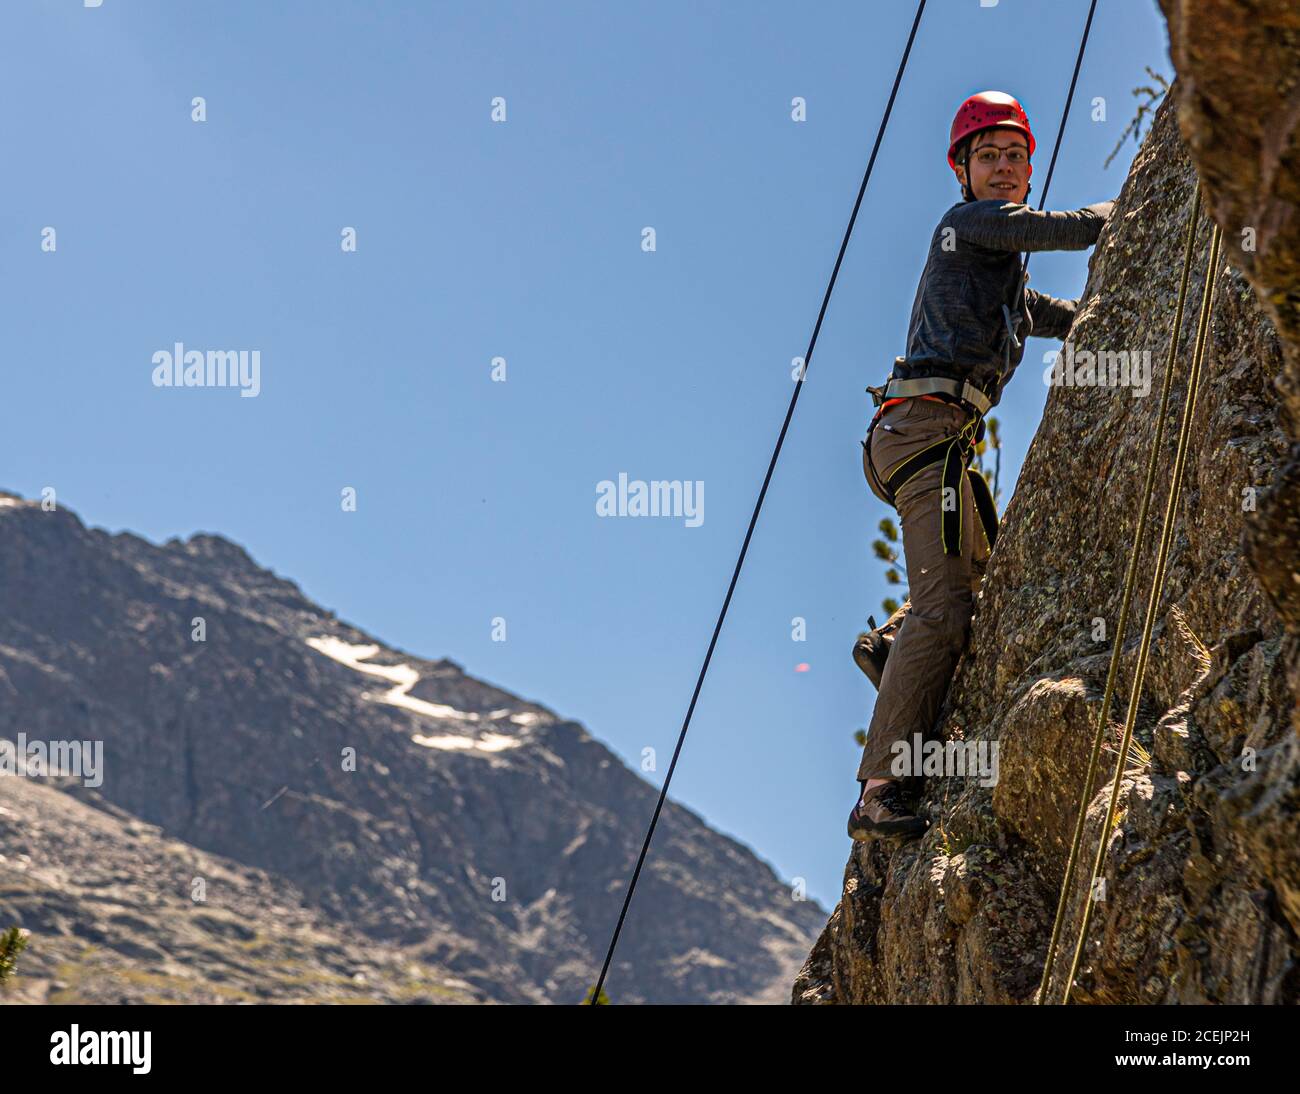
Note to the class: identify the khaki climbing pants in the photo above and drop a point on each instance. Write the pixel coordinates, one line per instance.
(942, 587)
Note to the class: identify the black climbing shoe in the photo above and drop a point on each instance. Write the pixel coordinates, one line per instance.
(870, 652)
(881, 812)
(871, 649)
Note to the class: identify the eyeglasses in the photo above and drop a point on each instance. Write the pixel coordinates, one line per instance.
(989, 154)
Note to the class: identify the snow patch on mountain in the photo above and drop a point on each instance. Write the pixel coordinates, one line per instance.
(490, 742)
(403, 677)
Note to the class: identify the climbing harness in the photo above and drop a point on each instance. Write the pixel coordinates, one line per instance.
(967, 392)
(955, 452)
(758, 505)
(1153, 602)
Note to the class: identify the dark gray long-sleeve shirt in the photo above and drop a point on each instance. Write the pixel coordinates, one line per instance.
(957, 327)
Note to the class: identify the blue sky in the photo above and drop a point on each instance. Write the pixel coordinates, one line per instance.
(478, 239)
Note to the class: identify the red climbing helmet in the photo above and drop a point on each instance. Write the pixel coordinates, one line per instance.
(984, 111)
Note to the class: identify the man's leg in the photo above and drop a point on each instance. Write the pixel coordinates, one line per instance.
(941, 588)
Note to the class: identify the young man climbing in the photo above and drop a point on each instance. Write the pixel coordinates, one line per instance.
(964, 341)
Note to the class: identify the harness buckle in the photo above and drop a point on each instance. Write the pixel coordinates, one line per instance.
(1012, 321)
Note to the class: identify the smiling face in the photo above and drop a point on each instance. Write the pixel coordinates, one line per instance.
(998, 165)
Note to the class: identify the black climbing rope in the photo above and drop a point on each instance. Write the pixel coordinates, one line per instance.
(758, 506)
(1051, 168)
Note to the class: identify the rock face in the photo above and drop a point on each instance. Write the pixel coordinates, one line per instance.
(1201, 898)
(1238, 96)
(291, 810)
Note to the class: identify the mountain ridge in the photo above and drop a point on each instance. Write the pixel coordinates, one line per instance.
(234, 745)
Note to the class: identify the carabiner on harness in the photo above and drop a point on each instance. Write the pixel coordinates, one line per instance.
(1012, 321)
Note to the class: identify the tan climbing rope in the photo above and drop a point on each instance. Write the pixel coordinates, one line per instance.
(1157, 586)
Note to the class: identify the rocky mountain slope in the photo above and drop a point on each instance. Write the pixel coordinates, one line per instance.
(291, 810)
(111, 902)
(1201, 901)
